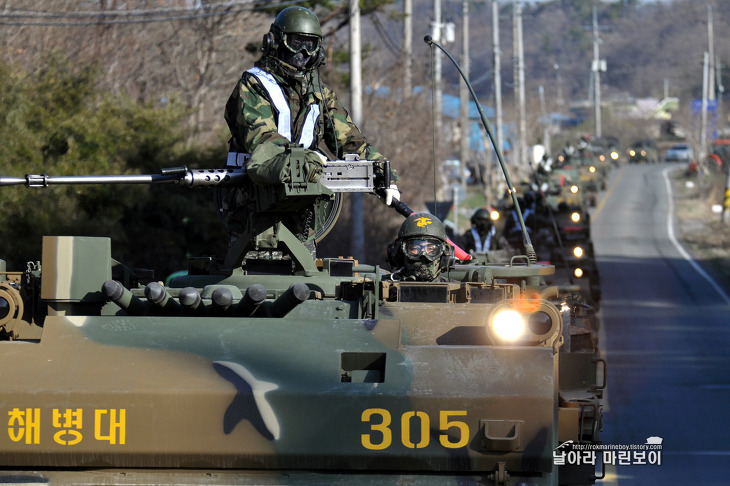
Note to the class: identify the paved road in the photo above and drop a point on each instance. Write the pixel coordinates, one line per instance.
(666, 338)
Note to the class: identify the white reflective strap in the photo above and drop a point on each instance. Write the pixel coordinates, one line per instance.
(307, 137)
(488, 241)
(277, 97)
(237, 160)
(477, 240)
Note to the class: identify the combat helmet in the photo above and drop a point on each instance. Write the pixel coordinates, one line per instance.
(481, 213)
(297, 20)
(421, 250)
(295, 38)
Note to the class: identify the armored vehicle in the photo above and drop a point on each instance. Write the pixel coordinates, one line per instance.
(643, 151)
(277, 366)
(271, 366)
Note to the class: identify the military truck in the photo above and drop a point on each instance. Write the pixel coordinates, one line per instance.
(271, 366)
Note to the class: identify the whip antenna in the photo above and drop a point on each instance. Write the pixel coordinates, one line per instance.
(531, 256)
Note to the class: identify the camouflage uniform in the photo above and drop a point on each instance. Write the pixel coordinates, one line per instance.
(317, 121)
(253, 118)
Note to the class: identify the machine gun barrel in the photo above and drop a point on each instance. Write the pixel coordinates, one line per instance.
(174, 175)
(44, 180)
(338, 176)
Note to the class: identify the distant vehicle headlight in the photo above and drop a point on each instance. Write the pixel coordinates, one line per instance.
(643, 153)
(494, 215)
(591, 169)
(508, 325)
(575, 217)
(602, 158)
(614, 155)
(578, 272)
(578, 251)
(574, 189)
(632, 152)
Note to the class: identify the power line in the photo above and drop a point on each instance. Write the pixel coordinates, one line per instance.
(106, 17)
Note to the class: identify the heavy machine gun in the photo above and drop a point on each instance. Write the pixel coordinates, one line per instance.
(267, 205)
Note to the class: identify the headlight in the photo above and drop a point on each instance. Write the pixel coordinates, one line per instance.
(591, 169)
(575, 217)
(614, 155)
(540, 323)
(574, 189)
(524, 321)
(632, 152)
(578, 251)
(602, 158)
(494, 215)
(508, 325)
(578, 272)
(643, 153)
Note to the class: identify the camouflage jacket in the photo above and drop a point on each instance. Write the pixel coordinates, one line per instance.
(257, 126)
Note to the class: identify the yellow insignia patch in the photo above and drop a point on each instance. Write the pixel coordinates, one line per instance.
(422, 221)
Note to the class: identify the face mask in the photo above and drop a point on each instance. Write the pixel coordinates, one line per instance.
(421, 270)
(297, 60)
(299, 51)
(482, 225)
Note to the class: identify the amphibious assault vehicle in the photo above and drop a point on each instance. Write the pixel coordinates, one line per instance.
(271, 366)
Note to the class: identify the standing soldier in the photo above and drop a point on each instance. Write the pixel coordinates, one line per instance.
(280, 111)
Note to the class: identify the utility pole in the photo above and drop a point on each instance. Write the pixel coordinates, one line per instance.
(357, 244)
(437, 28)
(597, 67)
(559, 85)
(546, 141)
(720, 90)
(520, 86)
(499, 136)
(407, 48)
(464, 95)
(497, 74)
(703, 120)
(711, 55)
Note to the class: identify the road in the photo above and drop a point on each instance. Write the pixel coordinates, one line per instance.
(666, 338)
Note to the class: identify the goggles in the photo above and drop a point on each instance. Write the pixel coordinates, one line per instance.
(301, 42)
(430, 248)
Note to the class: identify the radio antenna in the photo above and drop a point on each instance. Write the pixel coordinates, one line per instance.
(531, 256)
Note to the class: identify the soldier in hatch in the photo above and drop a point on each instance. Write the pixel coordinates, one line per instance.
(280, 109)
(420, 252)
(483, 237)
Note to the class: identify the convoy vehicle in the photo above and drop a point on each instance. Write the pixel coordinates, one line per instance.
(606, 150)
(643, 151)
(270, 363)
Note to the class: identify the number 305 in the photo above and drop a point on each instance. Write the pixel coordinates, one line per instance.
(381, 435)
